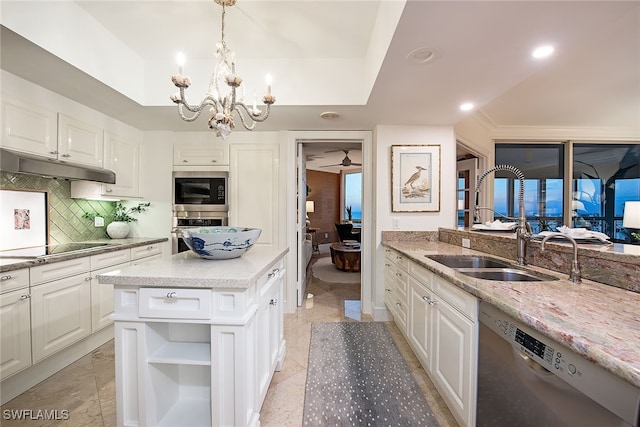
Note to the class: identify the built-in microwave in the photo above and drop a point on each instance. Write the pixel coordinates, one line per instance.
(200, 191)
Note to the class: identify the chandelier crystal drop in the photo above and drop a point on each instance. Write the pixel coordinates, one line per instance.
(222, 99)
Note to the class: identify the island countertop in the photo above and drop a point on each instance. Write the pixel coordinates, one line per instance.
(188, 270)
(599, 322)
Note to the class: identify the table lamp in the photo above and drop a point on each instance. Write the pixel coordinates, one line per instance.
(631, 218)
(310, 207)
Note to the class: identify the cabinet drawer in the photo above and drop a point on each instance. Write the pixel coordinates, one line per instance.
(396, 258)
(57, 270)
(169, 303)
(466, 303)
(15, 279)
(110, 258)
(421, 274)
(146, 251)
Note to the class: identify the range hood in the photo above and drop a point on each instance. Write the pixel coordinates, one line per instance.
(11, 161)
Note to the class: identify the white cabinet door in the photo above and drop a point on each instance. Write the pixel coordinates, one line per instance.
(102, 299)
(122, 156)
(15, 333)
(454, 360)
(80, 142)
(419, 325)
(253, 180)
(215, 153)
(61, 314)
(29, 128)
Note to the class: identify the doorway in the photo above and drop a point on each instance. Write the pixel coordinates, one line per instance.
(328, 141)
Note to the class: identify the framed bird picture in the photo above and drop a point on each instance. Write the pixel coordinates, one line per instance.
(415, 178)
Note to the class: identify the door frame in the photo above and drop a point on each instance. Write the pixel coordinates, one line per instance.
(365, 138)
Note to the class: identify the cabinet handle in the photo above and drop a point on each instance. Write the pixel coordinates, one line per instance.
(388, 290)
(427, 299)
(53, 152)
(66, 155)
(149, 248)
(399, 274)
(185, 161)
(109, 190)
(398, 257)
(398, 304)
(171, 295)
(433, 302)
(387, 265)
(86, 279)
(273, 272)
(7, 277)
(274, 302)
(214, 161)
(24, 297)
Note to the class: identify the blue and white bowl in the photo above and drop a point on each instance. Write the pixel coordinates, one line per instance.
(220, 242)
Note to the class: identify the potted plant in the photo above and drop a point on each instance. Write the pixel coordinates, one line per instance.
(348, 211)
(118, 228)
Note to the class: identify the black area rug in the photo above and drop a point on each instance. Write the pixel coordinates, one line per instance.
(357, 377)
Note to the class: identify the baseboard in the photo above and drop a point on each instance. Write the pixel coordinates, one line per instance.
(17, 384)
(380, 314)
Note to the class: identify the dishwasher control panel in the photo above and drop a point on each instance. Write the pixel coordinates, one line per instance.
(600, 385)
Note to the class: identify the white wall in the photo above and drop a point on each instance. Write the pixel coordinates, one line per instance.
(384, 138)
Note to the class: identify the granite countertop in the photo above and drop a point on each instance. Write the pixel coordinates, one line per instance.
(188, 270)
(597, 321)
(11, 264)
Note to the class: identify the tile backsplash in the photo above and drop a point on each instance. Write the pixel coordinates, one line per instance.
(65, 214)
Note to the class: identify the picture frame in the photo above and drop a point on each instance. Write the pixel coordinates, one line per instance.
(415, 178)
(24, 218)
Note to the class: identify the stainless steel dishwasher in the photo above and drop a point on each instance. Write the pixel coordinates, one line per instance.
(526, 379)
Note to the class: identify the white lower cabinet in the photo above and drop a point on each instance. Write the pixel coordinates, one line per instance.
(396, 285)
(60, 314)
(442, 330)
(15, 333)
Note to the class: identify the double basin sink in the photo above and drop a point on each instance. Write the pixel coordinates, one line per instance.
(487, 268)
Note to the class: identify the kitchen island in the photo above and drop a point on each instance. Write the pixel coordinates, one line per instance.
(197, 341)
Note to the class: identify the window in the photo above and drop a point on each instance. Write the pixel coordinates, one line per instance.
(353, 195)
(605, 176)
(542, 166)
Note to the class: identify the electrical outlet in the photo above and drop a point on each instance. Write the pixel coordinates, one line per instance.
(466, 243)
(395, 223)
(98, 221)
(326, 235)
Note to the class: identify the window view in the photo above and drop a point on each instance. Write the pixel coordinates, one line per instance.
(542, 165)
(604, 178)
(353, 196)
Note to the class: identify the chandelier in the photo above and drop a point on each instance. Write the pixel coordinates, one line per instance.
(222, 99)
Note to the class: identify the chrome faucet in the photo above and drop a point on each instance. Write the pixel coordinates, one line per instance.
(523, 232)
(574, 273)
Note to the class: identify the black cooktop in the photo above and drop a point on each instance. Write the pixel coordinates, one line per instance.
(49, 250)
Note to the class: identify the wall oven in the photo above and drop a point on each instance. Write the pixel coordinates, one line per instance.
(200, 191)
(192, 219)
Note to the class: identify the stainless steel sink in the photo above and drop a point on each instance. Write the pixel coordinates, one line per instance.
(505, 274)
(468, 261)
(487, 268)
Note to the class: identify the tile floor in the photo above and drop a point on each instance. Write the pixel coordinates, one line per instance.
(86, 388)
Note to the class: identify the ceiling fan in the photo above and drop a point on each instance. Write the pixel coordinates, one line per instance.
(346, 162)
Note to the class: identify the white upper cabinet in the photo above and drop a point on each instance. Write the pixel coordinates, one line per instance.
(35, 130)
(29, 128)
(122, 156)
(210, 154)
(80, 142)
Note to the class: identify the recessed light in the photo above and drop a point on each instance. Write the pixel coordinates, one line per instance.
(330, 115)
(542, 51)
(467, 106)
(422, 55)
